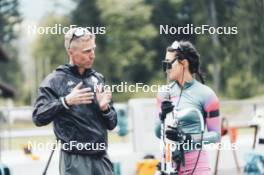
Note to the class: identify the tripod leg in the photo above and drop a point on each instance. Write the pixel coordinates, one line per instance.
(50, 157)
(217, 160)
(236, 161)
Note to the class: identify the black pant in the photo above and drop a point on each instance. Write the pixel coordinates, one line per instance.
(76, 164)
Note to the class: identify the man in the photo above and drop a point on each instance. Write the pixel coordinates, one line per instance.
(80, 111)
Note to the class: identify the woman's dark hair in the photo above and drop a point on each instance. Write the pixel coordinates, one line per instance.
(186, 50)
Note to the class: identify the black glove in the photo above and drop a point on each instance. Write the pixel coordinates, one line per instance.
(177, 135)
(166, 107)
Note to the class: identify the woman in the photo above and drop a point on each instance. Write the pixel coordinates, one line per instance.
(181, 64)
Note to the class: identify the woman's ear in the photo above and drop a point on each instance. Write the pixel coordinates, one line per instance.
(185, 63)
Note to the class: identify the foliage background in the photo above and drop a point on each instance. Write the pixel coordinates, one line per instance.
(132, 48)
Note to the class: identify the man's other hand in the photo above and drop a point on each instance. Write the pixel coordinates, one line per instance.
(103, 98)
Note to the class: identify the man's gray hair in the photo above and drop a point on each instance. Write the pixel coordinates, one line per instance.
(75, 35)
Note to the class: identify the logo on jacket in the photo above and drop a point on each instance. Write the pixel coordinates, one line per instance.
(94, 80)
(70, 83)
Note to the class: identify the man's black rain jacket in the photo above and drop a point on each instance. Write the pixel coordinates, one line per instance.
(83, 123)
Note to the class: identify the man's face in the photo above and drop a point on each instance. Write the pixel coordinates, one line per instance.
(84, 56)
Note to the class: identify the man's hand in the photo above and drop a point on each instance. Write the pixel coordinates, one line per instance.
(103, 98)
(79, 96)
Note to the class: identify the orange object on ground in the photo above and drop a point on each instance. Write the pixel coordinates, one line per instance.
(147, 167)
(233, 134)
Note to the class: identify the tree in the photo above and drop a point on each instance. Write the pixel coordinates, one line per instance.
(9, 17)
(247, 52)
(124, 55)
(172, 13)
(226, 59)
(131, 49)
(48, 49)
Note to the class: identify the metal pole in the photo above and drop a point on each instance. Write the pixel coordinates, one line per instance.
(0, 144)
(48, 163)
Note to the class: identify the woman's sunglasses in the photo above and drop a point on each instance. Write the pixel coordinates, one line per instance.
(166, 64)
